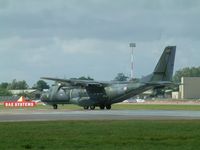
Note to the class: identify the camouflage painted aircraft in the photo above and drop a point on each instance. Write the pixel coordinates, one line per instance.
(89, 94)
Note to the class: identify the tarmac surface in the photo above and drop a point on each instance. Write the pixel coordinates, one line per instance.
(46, 114)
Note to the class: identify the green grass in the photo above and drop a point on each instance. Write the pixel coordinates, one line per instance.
(124, 106)
(66, 107)
(156, 107)
(98, 135)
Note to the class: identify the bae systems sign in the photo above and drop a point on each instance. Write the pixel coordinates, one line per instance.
(21, 102)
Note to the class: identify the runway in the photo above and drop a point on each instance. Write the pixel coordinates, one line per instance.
(44, 115)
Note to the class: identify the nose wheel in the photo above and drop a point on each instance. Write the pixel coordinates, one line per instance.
(55, 106)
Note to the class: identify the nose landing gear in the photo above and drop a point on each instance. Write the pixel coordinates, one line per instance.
(103, 107)
(55, 106)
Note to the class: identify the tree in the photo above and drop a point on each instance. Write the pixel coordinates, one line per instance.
(186, 72)
(4, 85)
(40, 85)
(121, 77)
(4, 89)
(85, 78)
(135, 79)
(22, 85)
(5, 92)
(18, 85)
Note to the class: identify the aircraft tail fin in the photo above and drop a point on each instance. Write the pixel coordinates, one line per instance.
(164, 68)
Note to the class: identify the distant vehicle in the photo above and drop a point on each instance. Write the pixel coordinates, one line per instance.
(139, 100)
(90, 94)
(39, 102)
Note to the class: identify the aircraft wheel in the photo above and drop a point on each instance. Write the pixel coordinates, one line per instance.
(55, 106)
(86, 107)
(92, 107)
(101, 107)
(108, 107)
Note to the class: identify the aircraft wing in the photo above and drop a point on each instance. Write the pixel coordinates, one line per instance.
(77, 82)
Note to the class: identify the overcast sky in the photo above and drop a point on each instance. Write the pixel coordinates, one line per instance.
(73, 38)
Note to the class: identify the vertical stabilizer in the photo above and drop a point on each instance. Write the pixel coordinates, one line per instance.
(165, 66)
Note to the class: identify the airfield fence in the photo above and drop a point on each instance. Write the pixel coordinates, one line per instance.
(9, 98)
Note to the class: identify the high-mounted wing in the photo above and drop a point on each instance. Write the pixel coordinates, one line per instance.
(77, 82)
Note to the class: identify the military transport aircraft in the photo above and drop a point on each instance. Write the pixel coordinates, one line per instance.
(90, 94)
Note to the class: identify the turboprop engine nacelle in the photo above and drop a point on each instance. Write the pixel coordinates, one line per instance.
(57, 93)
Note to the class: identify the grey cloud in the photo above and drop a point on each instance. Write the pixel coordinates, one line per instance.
(99, 19)
(90, 37)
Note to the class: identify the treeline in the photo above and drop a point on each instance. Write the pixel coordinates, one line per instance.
(186, 72)
(22, 85)
(5, 87)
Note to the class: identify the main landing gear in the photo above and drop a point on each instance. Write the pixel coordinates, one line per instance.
(105, 106)
(108, 107)
(102, 107)
(86, 107)
(91, 107)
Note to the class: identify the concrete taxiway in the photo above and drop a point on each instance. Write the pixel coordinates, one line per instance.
(44, 115)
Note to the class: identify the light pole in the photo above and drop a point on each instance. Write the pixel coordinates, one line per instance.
(132, 45)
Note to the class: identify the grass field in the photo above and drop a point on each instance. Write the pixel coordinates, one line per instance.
(125, 106)
(101, 135)
(156, 107)
(128, 134)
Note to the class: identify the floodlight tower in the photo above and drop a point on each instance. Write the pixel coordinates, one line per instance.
(132, 45)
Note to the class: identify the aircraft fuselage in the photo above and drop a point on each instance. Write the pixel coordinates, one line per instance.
(85, 97)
